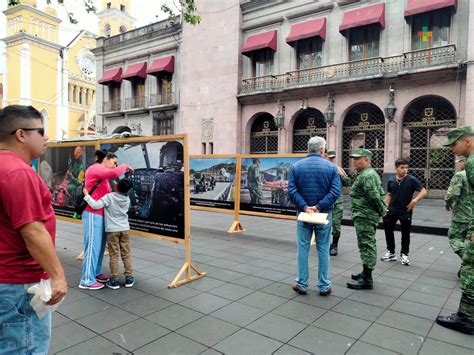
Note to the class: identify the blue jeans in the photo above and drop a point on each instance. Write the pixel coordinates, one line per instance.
(21, 332)
(94, 247)
(304, 232)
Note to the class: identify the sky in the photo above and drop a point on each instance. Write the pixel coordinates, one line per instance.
(200, 164)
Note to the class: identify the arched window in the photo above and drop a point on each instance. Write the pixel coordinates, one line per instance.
(264, 135)
(80, 96)
(122, 29)
(107, 30)
(309, 123)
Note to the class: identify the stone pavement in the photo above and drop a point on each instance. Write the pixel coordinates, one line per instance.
(245, 304)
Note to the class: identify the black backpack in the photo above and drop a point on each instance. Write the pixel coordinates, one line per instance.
(80, 204)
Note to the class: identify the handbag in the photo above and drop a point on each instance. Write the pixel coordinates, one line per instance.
(80, 204)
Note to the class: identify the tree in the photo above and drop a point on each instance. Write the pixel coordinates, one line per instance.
(188, 10)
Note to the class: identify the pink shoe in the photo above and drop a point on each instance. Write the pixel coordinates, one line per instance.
(94, 286)
(102, 278)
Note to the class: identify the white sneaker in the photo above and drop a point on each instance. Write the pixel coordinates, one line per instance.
(404, 259)
(389, 257)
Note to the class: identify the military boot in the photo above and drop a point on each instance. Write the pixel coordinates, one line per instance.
(333, 248)
(364, 282)
(460, 321)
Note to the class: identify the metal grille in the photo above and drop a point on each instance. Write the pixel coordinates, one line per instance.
(425, 126)
(364, 127)
(163, 124)
(264, 135)
(309, 123)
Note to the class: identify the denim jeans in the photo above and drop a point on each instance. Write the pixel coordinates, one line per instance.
(94, 247)
(21, 332)
(304, 232)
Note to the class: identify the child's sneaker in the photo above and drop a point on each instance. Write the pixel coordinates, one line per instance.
(389, 257)
(102, 278)
(129, 281)
(404, 260)
(94, 286)
(113, 284)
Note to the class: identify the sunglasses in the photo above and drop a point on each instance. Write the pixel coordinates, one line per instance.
(40, 130)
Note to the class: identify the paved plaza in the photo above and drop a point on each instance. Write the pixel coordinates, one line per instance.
(245, 304)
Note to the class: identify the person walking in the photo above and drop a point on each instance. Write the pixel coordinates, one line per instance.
(313, 186)
(254, 183)
(338, 210)
(97, 175)
(461, 142)
(400, 202)
(27, 234)
(458, 201)
(367, 205)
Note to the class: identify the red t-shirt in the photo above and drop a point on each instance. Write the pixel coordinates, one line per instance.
(24, 199)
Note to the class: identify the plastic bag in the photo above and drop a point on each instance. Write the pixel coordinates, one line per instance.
(41, 294)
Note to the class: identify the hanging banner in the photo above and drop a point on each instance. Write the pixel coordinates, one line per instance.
(62, 168)
(158, 194)
(264, 185)
(212, 181)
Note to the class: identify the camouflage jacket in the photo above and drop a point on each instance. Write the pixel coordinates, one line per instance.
(253, 176)
(470, 179)
(458, 198)
(367, 195)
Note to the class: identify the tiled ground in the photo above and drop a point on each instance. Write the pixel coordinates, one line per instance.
(245, 304)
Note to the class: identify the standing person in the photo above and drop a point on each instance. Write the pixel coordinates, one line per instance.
(400, 202)
(313, 186)
(27, 234)
(117, 228)
(93, 221)
(458, 201)
(254, 183)
(367, 205)
(338, 210)
(461, 142)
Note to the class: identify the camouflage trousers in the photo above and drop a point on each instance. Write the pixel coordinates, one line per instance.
(467, 282)
(365, 230)
(457, 235)
(337, 217)
(256, 195)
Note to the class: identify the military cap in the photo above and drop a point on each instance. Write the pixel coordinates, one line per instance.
(361, 152)
(331, 154)
(458, 133)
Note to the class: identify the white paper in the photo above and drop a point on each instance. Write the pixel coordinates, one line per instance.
(314, 218)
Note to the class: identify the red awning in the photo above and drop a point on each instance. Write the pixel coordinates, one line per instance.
(308, 29)
(163, 64)
(363, 16)
(420, 6)
(137, 70)
(111, 76)
(260, 41)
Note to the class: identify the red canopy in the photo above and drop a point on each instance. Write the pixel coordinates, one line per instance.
(137, 70)
(113, 75)
(260, 41)
(420, 6)
(363, 16)
(163, 64)
(308, 29)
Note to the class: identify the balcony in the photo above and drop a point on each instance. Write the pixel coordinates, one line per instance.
(164, 98)
(139, 102)
(360, 69)
(111, 106)
(135, 102)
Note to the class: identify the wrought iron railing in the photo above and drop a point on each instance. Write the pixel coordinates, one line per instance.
(135, 102)
(112, 105)
(163, 98)
(376, 66)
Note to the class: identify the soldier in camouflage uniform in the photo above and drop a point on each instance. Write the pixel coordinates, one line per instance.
(254, 183)
(367, 205)
(337, 212)
(461, 142)
(457, 200)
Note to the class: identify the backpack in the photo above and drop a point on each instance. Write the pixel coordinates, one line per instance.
(80, 204)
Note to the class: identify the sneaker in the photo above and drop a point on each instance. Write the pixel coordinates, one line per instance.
(129, 281)
(94, 286)
(389, 257)
(102, 278)
(404, 259)
(113, 284)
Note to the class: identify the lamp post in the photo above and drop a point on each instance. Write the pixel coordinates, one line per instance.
(391, 109)
(329, 113)
(280, 116)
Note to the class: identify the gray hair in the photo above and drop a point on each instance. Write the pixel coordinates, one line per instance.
(315, 144)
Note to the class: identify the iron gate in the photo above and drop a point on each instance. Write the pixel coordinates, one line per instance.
(264, 135)
(364, 127)
(309, 123)
(425, 126)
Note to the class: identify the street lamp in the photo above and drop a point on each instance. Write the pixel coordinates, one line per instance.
(280, 116)
(329, 113)
(391, 109)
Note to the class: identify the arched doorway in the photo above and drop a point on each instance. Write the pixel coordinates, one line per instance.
(309, 123)
(425, 125)
(364, 127)
(122, 129)
(264, 135)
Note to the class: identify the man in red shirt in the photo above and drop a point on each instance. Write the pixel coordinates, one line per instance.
(27, 233)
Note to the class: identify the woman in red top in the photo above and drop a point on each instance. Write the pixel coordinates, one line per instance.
(93, 221)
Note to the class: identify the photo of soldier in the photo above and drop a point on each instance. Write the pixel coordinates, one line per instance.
(212, 182)
(157, 196)
(264, 185)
